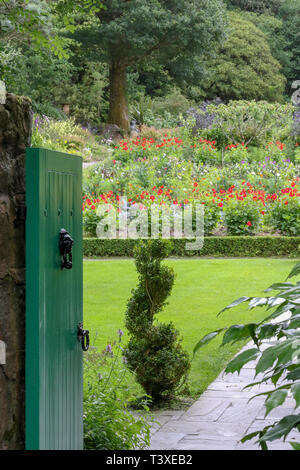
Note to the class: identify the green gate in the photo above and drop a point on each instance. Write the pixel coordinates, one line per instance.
(54, 415)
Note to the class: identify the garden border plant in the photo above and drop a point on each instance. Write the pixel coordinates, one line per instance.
(109, 424)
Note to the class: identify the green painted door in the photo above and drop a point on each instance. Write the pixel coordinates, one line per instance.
(54, 415)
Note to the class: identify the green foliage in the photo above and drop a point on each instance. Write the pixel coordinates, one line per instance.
(279, 363)
(258, 6)
(108, 422)
(160, 112)
(130, 33)
(69, 137)
(289, 14)
(37, 75)
(85, 95)
(173, 102)
(136, 29)
(279, 21)
(30, 19)
(244, 67)
(213, 246)
(285, 216)
(249, 121)
(154, 353)
(241, 217)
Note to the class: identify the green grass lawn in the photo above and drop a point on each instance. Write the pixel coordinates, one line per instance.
(202, 288)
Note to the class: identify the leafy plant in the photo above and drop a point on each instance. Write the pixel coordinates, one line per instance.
(241, 216)
(285, 216)
(248, 122)
(108, 422)
(279, 363)
(154, 353)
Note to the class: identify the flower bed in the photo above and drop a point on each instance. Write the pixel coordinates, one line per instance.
(245, 191)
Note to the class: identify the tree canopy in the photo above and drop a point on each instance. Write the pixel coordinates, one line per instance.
(244, 67)
(172, 32)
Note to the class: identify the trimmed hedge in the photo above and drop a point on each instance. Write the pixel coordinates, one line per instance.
(213, 246)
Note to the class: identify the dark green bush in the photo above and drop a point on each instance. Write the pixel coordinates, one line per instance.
(154, 352)
(213, 246)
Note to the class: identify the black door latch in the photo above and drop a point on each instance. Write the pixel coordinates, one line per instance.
(65, 247)
(83, 337)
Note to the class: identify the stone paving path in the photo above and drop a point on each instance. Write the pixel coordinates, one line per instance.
(221, 417)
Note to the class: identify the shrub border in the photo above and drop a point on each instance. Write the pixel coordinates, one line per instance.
(213, 246)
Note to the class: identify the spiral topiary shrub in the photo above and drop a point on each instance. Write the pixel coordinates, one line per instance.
(154, 352)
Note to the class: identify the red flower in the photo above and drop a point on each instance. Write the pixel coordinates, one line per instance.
(249, 223)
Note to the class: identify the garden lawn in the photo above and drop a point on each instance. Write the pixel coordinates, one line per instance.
(202, 288)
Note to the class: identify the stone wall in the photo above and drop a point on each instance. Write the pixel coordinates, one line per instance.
(15, 135)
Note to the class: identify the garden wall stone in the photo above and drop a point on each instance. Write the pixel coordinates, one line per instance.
(15, 136)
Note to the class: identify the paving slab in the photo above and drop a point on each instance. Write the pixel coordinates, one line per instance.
(165, 440)
(204, 444)
(221, 417)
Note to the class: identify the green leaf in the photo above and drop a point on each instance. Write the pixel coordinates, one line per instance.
(275, 399)
(237, 333)
(283, 428)
(295, 271)
(248, 437)
(243, 358)
(268, 330)
(295, 445)
(206, 339)
(275, 377)
(296, 393)
(294, 375)
(279, 286)
(235, 303)
(258, 302)
(295, 322)
(266, 361)
(285, 307)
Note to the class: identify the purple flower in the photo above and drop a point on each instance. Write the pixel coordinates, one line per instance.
(120, 332)
(108, 348)
(124, 359)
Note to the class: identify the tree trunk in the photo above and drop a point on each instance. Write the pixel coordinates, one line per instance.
(15, 132)
(118, 106)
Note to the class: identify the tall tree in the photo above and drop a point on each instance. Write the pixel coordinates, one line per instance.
(133, 31)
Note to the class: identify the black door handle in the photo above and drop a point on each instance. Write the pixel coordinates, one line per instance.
(65, 246)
